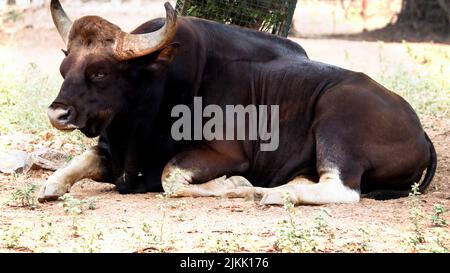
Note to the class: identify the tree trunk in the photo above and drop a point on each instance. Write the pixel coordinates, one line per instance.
(426, 15)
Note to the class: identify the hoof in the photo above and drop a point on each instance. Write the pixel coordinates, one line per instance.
(51, 192)
(239, 182)
(245, 192)
(275, 198)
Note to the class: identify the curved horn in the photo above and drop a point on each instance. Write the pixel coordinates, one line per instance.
(129, 46)
(62, 21)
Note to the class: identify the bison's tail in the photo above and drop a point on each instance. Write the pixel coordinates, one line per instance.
(431, 170)
(391, 194)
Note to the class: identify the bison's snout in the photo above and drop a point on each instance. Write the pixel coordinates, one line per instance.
(62, 117)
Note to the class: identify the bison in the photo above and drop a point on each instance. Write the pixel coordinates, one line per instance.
(341, 135)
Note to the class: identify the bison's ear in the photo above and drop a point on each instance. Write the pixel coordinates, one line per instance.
(164, 58)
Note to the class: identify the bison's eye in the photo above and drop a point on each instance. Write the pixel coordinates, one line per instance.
(97, 76)
(96, 72)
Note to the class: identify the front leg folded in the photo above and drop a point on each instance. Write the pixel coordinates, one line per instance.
(203, 172)
(88, 165)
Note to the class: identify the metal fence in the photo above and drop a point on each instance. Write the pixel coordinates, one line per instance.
(273, 16)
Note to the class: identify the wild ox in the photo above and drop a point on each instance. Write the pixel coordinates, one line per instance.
(341, 134)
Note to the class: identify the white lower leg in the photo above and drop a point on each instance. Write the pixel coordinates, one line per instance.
(330, 189)
(87, 165)
(178, 184)
(214, 188)
(257, 193)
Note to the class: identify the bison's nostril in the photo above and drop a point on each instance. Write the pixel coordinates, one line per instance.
(64, 117)
(61, 117)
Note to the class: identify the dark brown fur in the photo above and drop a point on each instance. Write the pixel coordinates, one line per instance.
(330, 117)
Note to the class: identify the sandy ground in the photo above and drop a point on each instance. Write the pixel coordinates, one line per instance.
(212, 224)
(139, 222)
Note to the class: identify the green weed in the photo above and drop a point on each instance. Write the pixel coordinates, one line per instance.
(436, 218)
(47, 229)
(292, 237)
(75, 207)
(13, 236)
(427, 86)
(89, 240)
(23, 197)
(416, 216)
(12, 16)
